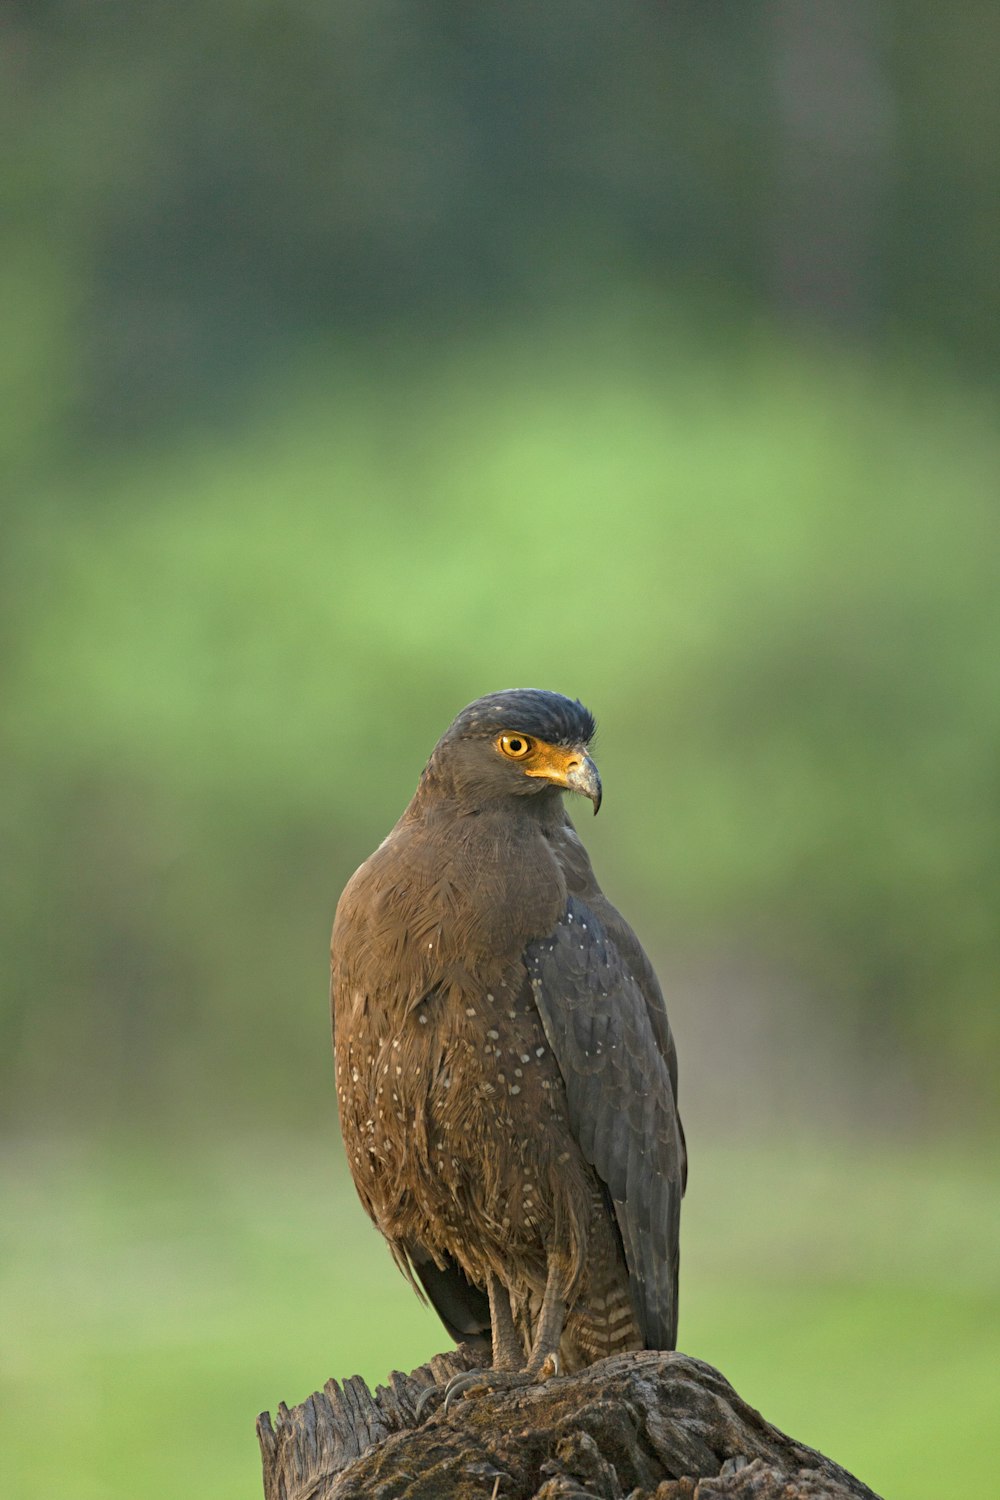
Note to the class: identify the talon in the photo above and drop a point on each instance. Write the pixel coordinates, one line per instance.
(465, 1392)
(449, 1396)
(479, 1382)
(425, 1400)
(464, 1385)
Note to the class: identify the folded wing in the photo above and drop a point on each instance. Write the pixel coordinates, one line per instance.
(607, 1036)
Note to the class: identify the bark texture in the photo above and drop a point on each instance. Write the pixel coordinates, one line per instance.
(645, 1426)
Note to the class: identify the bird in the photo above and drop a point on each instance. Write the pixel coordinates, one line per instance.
(506, 1075)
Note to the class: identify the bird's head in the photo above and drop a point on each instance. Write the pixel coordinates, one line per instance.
(519, 743)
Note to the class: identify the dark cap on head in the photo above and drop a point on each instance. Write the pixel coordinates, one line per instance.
(544, 715)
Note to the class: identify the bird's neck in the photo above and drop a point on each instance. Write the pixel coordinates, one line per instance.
(437, 796)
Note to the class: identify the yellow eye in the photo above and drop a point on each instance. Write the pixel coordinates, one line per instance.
(517, 746)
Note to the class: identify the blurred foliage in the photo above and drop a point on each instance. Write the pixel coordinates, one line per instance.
(359, 359)
(160, 1301)
(192, 188)
(770, 572)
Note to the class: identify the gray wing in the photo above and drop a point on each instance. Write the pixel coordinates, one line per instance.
(463, 1308)
(621, 1100)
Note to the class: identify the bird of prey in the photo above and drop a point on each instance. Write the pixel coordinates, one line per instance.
(506, 1076)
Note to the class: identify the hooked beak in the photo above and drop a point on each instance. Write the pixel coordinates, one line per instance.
(583, 776)
(569, 768)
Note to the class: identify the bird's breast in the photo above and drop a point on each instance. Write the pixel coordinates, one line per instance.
(426, 909)
(452, 1106)
(454, 1120)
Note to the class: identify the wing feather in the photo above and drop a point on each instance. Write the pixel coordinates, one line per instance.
(463, 1308)
(620, 1090)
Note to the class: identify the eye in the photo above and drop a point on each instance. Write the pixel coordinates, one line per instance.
(516, 746)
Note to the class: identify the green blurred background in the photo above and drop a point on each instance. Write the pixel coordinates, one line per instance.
(361, 358)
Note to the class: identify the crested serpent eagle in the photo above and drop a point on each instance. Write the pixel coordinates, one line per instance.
(506, 1076)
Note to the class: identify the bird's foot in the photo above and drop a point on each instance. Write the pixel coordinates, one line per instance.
(478, 1382)
(426, 1401)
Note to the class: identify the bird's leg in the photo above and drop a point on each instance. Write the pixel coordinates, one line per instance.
(508, 1351)
(543, 1361)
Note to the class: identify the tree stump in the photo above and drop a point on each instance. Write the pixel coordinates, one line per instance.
(645, 1426)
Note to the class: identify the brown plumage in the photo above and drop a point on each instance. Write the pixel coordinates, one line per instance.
(506, 1077)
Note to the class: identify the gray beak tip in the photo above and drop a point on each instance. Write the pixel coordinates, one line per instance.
(586, 779)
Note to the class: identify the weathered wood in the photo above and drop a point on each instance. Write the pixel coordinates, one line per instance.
(645, 1426)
